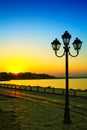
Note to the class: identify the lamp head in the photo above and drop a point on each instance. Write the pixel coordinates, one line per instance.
(77, 44)
(66, 38)
(55, 45)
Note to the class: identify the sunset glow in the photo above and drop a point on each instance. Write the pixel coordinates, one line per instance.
(27, 29)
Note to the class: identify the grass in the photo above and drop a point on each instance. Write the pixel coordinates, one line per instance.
(30, 114)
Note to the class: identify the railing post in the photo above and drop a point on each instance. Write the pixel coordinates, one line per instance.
(74, 92)
(63, 91)
(44, 90)
(30, 88)
(53, 90)
(25, 88)
(37, 88)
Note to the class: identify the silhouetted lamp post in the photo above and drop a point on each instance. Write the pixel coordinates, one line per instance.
(56, 46)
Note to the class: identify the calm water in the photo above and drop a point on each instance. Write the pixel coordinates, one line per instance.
(57, 83)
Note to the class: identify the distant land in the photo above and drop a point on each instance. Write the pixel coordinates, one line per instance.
(72, 77)
(4, 76)
(26, 75)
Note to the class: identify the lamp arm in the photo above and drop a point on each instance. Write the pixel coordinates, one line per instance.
(74, 55)
(60, 55)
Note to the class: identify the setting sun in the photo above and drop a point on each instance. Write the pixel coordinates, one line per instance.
(15, 66)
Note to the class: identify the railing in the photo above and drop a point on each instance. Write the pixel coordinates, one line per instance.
(50, 90)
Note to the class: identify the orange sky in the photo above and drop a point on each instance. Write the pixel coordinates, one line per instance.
(40, 62)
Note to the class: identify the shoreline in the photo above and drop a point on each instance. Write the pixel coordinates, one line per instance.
(71, 77)
(56, 83)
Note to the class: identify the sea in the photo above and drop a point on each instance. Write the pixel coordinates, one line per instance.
(74, 83)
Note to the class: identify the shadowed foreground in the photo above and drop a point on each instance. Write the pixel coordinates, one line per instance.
(7, 118)
(34, 114)
(8, 121)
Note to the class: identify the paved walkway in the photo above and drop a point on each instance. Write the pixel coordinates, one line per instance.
(39, 111)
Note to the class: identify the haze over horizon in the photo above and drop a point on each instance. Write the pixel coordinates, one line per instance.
(27, 28)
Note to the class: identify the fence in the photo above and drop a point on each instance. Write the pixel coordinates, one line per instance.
(50, 90)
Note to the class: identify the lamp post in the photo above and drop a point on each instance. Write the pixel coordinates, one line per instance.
(56, 46)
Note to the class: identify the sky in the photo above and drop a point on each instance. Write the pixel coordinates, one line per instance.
(27, 28)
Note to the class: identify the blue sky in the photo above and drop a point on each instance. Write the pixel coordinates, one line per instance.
(27, 27)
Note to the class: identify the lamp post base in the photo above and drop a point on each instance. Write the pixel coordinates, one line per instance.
(67, 116)
(67, 121)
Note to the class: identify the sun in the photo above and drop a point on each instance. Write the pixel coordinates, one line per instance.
(15, 67)
(16, 73)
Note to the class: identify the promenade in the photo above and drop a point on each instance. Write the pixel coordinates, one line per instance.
(40, 111)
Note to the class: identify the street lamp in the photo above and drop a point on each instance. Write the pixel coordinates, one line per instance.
(56, 46)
